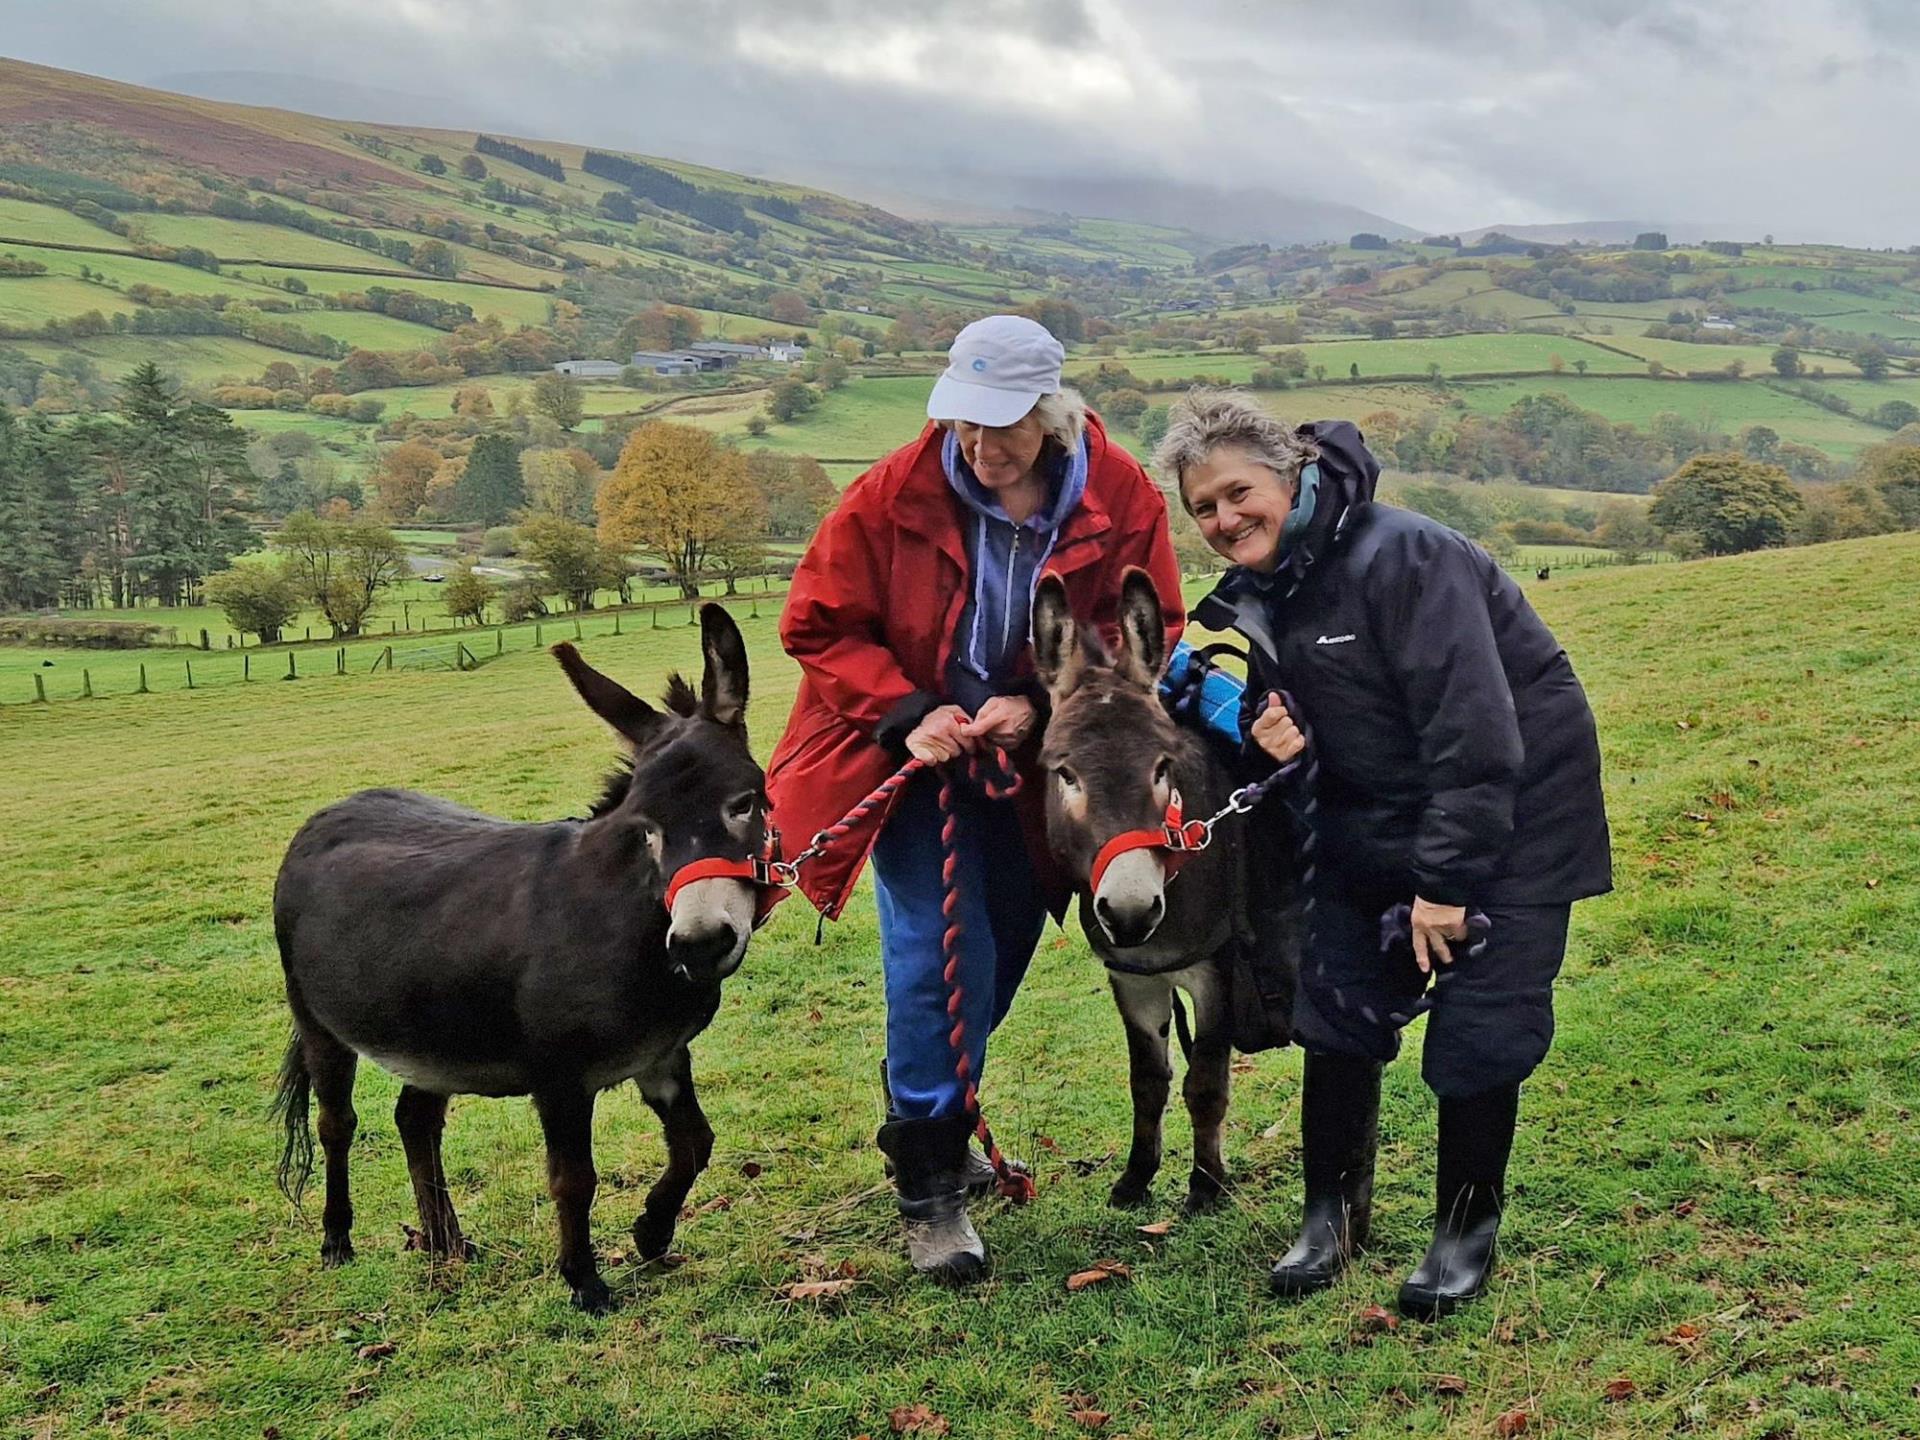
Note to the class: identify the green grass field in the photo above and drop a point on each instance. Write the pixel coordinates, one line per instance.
(1711, 1194)
(1728, 405)
(195, 359)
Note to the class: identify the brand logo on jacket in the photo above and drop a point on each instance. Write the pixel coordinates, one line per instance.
(1333, 639)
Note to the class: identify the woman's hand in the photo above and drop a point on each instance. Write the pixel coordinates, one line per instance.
(1275, 732)
(1433, 926)
(941, 736)
(1004, 720)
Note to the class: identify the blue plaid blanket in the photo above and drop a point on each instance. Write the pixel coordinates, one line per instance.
(1198, 692)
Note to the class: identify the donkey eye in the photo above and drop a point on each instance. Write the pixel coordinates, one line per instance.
(1066, 777)
(1163, 771)
(741, 807)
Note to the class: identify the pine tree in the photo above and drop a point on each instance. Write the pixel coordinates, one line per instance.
(490, 490)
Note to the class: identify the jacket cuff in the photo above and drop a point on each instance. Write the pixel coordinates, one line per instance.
(1030, 689)
(899, 722)
(1439, 890)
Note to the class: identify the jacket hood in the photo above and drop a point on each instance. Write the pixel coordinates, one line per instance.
(1067, 483)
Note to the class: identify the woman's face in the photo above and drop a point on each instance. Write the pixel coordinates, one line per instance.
(1001, 455)
(1239, 505)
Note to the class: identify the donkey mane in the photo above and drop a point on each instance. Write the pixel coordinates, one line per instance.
(680, 698)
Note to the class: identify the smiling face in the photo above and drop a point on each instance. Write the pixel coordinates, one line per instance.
(1239, 504)
(1002, 456)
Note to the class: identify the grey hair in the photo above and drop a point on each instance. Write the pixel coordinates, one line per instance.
(1062, 416)
(1205, 420)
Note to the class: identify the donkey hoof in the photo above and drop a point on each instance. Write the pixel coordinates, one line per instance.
(592, 1296)
(652, 1234)
(335, 1252)
(1129, 1194)
(1204, 1192)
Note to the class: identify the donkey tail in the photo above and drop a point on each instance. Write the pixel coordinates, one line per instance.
(290, 1098)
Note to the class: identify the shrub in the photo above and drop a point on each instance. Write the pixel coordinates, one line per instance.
(332, 403)
(243, 397)
(500, 540)
(83, 634)
(521, 601)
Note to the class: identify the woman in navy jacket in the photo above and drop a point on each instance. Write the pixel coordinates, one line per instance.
(1458, 777)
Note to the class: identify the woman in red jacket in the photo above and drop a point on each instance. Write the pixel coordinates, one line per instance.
(909, 616)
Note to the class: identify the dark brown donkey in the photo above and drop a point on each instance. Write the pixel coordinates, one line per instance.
(470, 955)
(1114, 761)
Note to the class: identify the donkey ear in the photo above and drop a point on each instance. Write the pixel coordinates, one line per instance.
(723, 685)
(626, 712)
(1143, 634)
(1056, 646)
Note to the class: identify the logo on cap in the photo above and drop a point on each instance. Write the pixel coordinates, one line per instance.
(979, 364)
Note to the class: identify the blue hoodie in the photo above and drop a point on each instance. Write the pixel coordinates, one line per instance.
(1008, 561)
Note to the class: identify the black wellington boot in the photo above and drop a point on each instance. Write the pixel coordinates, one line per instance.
(1339, 1131)
(980, 1176)
(930, 1176)
(1476, 1137)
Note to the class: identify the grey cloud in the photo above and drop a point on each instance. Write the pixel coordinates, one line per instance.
(1443, 116)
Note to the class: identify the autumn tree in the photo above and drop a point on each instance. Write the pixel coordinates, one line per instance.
(660, 327)
(560, 483)
(472, 402)
(1623, 527)
(1872, 361)
(791, 398)
(341, 566)
(402, 477)
(257, 595)
(467, 594)
(1893, 470)
(568, 554)
(559, 398)
(1730, 503)
(676, 492)
(796, 490)
(472, 167)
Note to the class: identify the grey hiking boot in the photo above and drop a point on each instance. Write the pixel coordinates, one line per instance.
(929, 1169)
(980, 1176)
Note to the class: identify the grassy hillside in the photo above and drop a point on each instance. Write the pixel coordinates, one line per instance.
(1711, 1192)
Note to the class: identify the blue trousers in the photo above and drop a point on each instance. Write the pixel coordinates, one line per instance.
(1001, 916)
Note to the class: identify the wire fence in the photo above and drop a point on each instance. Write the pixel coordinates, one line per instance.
(49, 678)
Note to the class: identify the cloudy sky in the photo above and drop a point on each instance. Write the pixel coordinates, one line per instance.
(1791, 116)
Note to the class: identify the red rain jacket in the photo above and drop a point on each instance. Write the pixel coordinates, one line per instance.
(871, 618)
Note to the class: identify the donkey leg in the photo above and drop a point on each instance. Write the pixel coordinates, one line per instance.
(689, 1148)
(1146, 1007)
(421, 1116)
(566, 1117)
(1205, 1089)
(332, 1066)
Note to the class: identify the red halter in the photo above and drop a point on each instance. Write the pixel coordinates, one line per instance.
(760, 871)
(1178, 836)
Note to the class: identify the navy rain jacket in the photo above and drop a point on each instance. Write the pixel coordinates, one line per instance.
(1457, 750)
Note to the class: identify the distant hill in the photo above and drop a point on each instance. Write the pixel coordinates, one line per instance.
(1607, 232)
(338, 99)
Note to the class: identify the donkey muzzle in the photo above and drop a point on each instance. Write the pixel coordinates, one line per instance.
(711, 923)
(1132, 898)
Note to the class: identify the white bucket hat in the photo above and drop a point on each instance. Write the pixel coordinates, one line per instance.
(997, 369)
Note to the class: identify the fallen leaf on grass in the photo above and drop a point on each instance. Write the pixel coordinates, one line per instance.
(1103, 1270)
(1158, 1227)
(1090, 1419)
(1274, 1131)
(1684, 1336)
(1514, 1422)
(1376, 1320)
(378, 1351)
(717, 1203)
(1242, 1066)
(818, 1289)
(1684, 1208)
(1620, 1389)
(1450, 1385)
(815, 1017)
(750, 1169)
(917, 1419)
(1047, 1143)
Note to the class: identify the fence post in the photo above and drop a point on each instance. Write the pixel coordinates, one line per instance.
(389, 659)
(229, 642)
(309, 634)
(39, 688)
(246, 667)
(143, 679)
(538, 635)
(86, 684)
(655, 612)
(340, 661)
(189, 674)
(467, 655)
(206, 642)
(292, 674)
(690, 609)
(499, 642)
(755, 614)
(616, 622)
(393, 627)
(576, 627)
